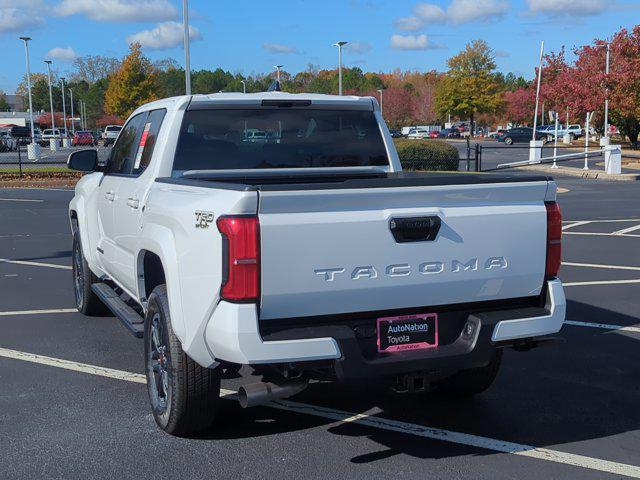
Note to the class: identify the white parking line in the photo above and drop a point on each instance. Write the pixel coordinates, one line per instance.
(598, 265)
(600, 234)
(604, 326)
(366, 420)
(626, 230)
(37, 312)
(612, 220)
(20, 200)
(575, 224)
(599, 282)
(35, 264)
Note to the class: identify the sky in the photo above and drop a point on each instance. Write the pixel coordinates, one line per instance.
(251, 36)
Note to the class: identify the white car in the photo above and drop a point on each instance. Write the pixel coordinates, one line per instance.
(310, 257)
(418, 134)
(110, 134)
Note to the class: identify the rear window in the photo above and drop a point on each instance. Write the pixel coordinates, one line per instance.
(113, 129)
(219, 139)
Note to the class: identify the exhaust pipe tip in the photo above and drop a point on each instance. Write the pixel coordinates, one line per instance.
(255, 394)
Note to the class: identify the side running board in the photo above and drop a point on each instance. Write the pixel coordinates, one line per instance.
(123, 312)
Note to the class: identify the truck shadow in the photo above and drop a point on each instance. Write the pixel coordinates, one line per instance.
(584, 389)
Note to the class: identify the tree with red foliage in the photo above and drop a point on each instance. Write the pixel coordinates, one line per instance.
(104, 120)
(520, 105)
(44, 120)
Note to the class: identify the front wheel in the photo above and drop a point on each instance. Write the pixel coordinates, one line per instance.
(468, 383)
(184, 396)
(508, 141)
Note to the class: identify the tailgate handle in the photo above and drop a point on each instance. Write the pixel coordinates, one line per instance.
(415, 229)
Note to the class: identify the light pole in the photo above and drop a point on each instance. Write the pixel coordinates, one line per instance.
(278, 67)
(244, 86)
(73, 121)
(53, 122)
(535, 115)
(340, 45)
(26, 49)
(64, 108)
(606, 94)
(187, 55)
(380, 92)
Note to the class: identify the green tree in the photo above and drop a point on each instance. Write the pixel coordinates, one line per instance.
(4, 105)
(133, 84)
(470, 86)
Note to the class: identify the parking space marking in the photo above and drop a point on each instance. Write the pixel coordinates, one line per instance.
(599, 282)
(609, 220)
(37, 312)
(598, 265)
(364, 419)
(626, 230)
(575, 224)
(604, 326)
(35, 264)
(600, 234)
(20, 200)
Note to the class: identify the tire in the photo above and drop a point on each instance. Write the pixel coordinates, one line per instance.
(184, 396)
(508, 141)
(468, 383)
(572, 137)
(87, 302)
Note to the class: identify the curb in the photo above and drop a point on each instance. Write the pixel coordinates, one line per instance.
(588, 174)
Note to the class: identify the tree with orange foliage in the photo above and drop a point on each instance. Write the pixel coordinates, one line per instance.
(132, 85)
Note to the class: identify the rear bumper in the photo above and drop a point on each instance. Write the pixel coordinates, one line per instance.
(233, 335)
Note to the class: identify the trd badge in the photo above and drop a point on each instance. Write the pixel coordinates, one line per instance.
(203, 219)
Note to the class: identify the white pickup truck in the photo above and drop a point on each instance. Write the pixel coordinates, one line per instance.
(306, 256)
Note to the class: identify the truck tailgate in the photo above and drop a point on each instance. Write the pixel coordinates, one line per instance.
(327, 251)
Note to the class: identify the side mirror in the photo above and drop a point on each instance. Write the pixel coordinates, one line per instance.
(83, 160)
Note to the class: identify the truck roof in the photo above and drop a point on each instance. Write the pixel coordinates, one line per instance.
(214, 100)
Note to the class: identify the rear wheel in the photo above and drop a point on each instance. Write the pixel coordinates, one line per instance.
(468, 383)
(87, 302)
(508, 141)
(184, 396)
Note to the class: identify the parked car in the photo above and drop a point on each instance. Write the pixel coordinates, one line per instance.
(312, 258)
(110, 134)
(7, 142)
(496, 133)
(84, 138)
(418, 133)
(449, 133)
(434, 134)
(520, 135)
(48, 134)
(395, 133)
(574, 131)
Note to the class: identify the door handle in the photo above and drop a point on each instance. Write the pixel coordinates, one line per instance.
(133, 202)
(110, 196)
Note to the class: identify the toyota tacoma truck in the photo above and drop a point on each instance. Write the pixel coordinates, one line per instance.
(307, 256)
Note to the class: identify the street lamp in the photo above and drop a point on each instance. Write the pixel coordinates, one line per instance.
(278, 67)
(380, 92)
(340, 45)
(606, 95)
(26, 49)
(535, 115)
(244, 86)
(73, 121)
(53, 122)
(64, 108)
(187, 56)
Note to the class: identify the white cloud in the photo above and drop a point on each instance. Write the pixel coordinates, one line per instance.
(463, 11)
(358, 47)
(429, 13)
(567, 7)
(409, 42)
(166, 35)
(119, 10)
(458, 12)
(278, 48)
(17, 20)
(408, 24)
(64, 54)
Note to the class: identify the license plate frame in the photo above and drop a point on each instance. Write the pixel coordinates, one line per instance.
(409, 335)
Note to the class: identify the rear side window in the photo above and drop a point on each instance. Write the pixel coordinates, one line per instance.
(126, 147)
(148, 140)
(258, 138)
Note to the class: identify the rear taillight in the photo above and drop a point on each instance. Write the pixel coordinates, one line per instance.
(241, 258)
(554, 240)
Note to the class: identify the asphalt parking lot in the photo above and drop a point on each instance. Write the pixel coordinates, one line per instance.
(73, 403)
